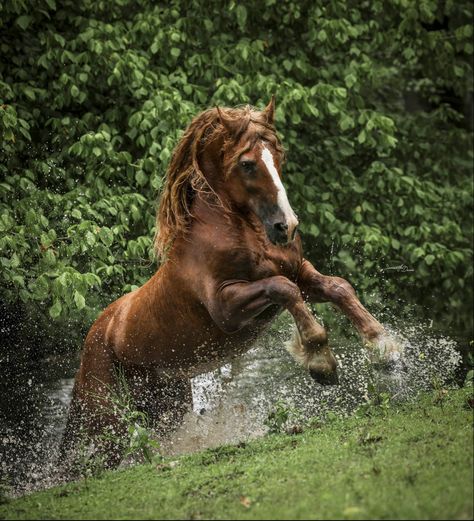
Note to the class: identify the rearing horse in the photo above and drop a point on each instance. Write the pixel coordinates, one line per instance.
(233, 262)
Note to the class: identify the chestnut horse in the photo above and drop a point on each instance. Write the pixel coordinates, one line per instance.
(232, 262)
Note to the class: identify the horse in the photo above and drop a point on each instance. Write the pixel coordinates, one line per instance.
(232, 260)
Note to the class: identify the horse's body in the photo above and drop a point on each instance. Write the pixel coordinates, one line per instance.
(233, 264)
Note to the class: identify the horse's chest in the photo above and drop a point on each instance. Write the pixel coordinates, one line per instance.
(271, 265)
(250, 262)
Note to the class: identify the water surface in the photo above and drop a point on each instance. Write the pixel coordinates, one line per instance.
(231, 404)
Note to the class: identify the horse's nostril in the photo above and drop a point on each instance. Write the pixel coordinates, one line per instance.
(281, 227)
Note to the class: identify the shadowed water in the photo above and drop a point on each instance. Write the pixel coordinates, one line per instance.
(231, 404)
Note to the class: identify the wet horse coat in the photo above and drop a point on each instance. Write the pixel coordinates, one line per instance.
(233, 261)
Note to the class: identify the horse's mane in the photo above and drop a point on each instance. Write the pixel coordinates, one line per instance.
(184, 177)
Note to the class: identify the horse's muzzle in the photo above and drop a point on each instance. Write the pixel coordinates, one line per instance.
(281, 232)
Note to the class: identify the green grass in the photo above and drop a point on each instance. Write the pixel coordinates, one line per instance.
(408, 462)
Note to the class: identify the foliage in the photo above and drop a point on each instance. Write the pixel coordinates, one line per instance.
(279, 417)
(373, 105)
(139, 440)
(132, 435)
(378, 404)
(135, 438)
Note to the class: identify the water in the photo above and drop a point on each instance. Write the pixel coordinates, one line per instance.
(231, 404)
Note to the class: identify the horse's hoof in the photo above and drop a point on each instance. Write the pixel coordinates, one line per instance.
(386, 353)
(325, 378)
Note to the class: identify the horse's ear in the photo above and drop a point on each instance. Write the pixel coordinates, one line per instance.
(231, 125)
(269, 111)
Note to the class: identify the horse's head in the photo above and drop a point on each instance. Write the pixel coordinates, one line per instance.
(252, 158)
(233, 154)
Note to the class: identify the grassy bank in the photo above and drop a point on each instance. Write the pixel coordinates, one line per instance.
(412, 461)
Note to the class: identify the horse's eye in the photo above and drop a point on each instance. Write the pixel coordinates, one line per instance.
(248, 166)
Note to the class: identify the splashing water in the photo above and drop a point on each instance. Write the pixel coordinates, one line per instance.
(231, 404)
(231, 408)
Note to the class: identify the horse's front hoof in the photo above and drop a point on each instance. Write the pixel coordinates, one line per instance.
(386, 353)
(325, 378)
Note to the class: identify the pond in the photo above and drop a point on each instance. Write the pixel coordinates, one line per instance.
(231, 404)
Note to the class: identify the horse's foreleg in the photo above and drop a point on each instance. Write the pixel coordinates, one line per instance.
(238, 303)
(317, 287)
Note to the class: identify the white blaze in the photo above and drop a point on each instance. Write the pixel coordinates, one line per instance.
(282, 199)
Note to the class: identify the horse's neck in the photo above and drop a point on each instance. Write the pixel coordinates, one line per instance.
(220, 214)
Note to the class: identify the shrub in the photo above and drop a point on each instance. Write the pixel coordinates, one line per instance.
(374, 105)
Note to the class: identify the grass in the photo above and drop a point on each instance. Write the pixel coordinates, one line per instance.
(402, 462)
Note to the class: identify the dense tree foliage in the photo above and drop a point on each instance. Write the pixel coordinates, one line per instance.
(374, 106)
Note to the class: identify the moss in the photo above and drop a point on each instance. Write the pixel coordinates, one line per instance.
(413, 461)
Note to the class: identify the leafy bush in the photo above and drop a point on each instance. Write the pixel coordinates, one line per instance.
(374, 105)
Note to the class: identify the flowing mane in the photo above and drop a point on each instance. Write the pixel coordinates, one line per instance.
(184, 177)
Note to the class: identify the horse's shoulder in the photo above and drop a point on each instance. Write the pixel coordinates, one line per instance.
(110, 319)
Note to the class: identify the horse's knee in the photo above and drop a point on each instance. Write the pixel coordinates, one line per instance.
(283, 292)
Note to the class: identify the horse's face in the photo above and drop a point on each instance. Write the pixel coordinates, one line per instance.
(255, 181)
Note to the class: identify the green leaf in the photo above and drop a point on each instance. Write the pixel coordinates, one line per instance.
(79, 300)
(429, 259)
(90, 238)
(106, 236)
(346, 122)
(141, 178)
(165, 155)
(29, 92)
(322, 36)
(63, 279)
(241, 12)
(332, 108)
(45, 240)
(24, 21)
(41, 287)
(295, 118)
(31, 217)
(55, 309)
(49, 257)
(350, 80)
